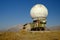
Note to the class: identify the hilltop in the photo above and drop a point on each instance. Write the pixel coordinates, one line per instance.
(18, 33)
(27, 25)
(25, 35)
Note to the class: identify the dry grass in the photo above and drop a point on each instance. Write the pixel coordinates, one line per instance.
(25, 35)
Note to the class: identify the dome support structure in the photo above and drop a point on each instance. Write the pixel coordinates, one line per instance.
(39, 24)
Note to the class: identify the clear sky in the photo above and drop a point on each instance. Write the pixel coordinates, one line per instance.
(13, 12)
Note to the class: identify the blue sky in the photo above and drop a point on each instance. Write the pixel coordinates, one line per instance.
(13, 12)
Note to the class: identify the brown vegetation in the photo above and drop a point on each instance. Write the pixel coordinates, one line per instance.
(26, 35)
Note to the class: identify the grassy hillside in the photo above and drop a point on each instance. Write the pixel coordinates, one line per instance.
(25, 35)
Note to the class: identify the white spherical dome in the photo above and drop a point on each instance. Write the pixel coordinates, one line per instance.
(38, 10)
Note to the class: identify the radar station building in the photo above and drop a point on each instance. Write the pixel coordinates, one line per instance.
(39, 15)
